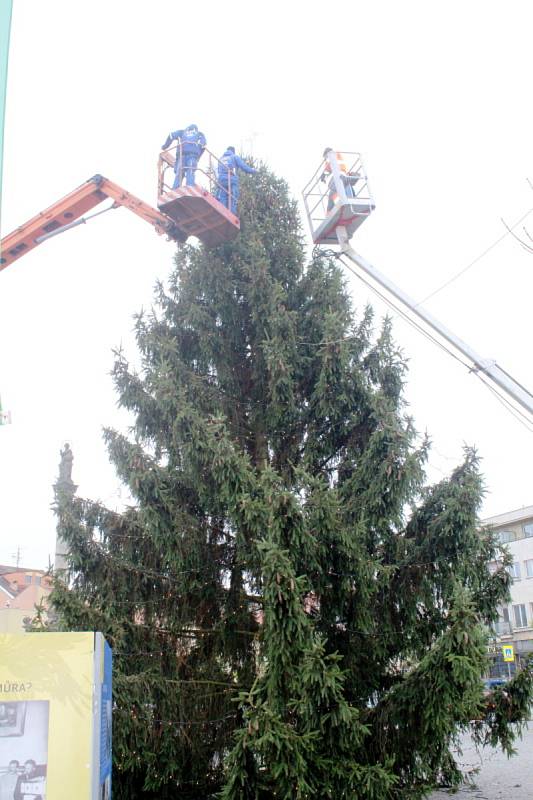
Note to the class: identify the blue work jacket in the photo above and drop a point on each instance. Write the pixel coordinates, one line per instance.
(228, 166)
(192, 140)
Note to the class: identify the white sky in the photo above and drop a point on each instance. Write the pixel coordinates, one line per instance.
(436, 96)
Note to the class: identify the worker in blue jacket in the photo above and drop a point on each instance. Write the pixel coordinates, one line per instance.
(227, 191)
(191, 145)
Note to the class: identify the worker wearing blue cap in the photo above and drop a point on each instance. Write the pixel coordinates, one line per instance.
(191, 144)
(227, 191)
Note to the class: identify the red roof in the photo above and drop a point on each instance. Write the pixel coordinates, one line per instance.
(30, 596)
(17, 592)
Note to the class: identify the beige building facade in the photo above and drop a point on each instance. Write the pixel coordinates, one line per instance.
(515, 625)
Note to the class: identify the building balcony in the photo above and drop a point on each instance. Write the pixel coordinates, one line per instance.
(502, 628)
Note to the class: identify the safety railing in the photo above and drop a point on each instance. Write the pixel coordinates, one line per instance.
(340, 179)
(205, 174)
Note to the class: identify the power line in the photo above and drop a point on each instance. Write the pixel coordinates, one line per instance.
(522, 418)
(429, 336)
(522, 244)
(475, 261)
(516, 412)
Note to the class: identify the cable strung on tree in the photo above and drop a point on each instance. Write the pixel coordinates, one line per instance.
(247, 565)
(161, 653)
(178, 723)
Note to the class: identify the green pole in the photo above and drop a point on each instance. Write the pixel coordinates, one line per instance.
(5, 28)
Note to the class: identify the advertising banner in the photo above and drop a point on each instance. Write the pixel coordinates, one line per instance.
(55, 716)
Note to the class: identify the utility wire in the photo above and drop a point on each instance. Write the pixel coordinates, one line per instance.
(397, 310)
(475, 261)
(526, 247)
(516, 412)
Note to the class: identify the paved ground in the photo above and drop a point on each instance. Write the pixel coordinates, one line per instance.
(499, 777)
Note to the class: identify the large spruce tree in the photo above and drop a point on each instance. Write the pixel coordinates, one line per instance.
(293, 613)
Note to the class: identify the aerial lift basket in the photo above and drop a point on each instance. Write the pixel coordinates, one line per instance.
(195, 209)
(338, 195)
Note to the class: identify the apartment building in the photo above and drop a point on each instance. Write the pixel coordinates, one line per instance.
(515, 625)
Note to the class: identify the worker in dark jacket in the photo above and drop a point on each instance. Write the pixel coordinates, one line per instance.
(227, 191)
(191, 144)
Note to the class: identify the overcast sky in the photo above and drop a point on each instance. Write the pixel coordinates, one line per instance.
(437, 98)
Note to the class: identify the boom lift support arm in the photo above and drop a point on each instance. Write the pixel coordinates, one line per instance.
(490, 368)
(67, 212)
(334, 213)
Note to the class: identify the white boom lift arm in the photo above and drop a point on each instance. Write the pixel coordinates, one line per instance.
(338, 200)
(489, 367)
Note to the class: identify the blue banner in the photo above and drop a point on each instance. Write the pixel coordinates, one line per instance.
(106, 700)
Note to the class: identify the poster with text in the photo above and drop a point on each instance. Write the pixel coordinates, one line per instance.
(55, 716)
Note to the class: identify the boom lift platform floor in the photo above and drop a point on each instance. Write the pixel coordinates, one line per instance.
(197, 213)
(350, 214)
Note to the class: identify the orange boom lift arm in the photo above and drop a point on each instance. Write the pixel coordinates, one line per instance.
(68, 212)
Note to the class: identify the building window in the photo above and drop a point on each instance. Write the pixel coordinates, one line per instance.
(529, 567)
(27, 578)
(38, 580)
(520, 617)
(528, 530)
(514, 570)
(507, 536)
(505, 612)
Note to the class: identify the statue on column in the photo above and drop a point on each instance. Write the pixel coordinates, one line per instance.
(64, 491)
(65, 465)
(65, 486)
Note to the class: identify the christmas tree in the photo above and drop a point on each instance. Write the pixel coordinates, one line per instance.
(294, 613)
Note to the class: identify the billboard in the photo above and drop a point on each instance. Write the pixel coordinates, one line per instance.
(55, 716)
